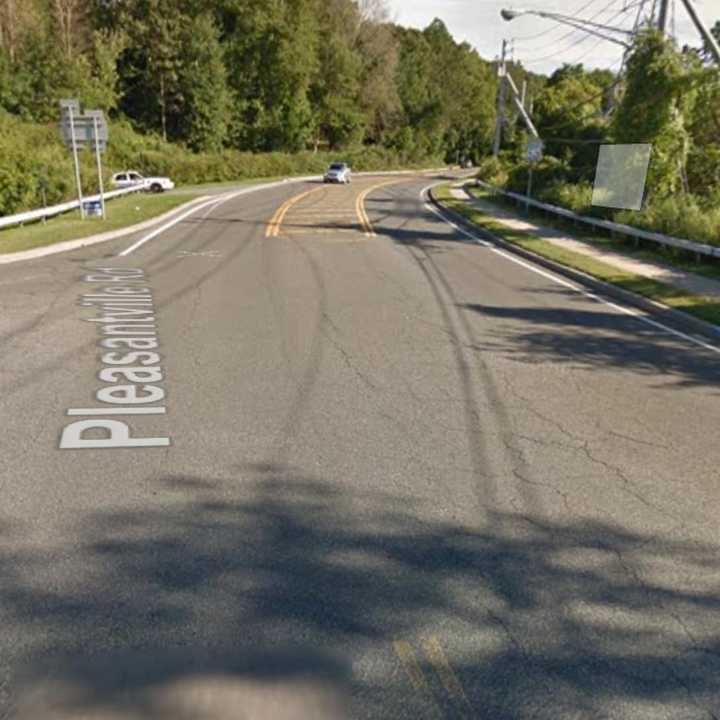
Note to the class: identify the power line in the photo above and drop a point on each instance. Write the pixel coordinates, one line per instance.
(602, 40)
(607, 7)
(587, 52)
(585, 37)
(557, 24)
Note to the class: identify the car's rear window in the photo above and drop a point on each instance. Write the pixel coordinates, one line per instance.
(337, 166)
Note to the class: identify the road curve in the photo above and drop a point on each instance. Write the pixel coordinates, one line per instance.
(388, 472)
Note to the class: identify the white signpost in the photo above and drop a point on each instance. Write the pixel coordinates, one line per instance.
(88, 130)
(535, 150)
(534, 155)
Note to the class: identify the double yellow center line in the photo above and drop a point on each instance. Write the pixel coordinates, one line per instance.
(275, 224)
(273, 228)
(360, 206)
(438, 660)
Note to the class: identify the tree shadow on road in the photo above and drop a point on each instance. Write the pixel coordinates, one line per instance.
(236, 590)
(594, 338)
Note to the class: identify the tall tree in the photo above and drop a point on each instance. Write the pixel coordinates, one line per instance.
(271, 48)
(704, 125)
(654, 109)
(202, 81)
(17, 19)
(378, 50)
(73, 21)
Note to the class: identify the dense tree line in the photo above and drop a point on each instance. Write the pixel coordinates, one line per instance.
(668, 97)
(251, 75)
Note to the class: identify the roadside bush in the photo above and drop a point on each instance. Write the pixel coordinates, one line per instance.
(494, 171)
(550, 171)
(577, 198)
(687, 216)
(33, 156)
(682, 216)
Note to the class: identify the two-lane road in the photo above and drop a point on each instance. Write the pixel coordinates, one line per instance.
(388, 472)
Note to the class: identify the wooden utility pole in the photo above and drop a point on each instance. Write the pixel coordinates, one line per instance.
(502, 71)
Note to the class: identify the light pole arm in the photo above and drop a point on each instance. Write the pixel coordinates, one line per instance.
(592, 28)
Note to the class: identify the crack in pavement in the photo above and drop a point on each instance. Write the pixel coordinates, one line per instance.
(637, 578)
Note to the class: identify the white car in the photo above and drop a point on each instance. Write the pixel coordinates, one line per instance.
(337, 173)
(131, 178)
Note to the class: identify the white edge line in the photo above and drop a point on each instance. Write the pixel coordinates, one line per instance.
(212, 204)
(107, 236)
(70, 245)
(625, 310)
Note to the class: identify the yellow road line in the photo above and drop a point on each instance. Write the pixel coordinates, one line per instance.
(275, 223)
(436, 655)
(410, 664)
(273, 228)
(360, 206)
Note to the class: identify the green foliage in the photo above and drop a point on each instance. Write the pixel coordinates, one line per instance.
(447, 93)
(32, 156)
(704, 157)
(685, 217)
(203, 122)
(657, 101)
(577, 198)
(252, 76)
(569, 117)
(548, 172)
(494, 171)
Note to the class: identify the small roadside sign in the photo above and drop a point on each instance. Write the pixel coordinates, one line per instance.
(84, 130)
(535, 150)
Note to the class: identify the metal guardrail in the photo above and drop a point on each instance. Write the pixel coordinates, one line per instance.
(33, 215)
(612, 227)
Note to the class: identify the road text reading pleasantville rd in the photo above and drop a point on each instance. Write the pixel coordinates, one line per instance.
(127, 326)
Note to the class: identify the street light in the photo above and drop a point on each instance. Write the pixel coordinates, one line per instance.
(587, 26)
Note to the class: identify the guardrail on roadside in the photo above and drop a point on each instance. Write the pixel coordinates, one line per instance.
(33, 215)
(612, 227)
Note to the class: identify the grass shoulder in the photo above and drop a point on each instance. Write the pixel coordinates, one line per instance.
(121, 212)
(704, 308)
(643, 250)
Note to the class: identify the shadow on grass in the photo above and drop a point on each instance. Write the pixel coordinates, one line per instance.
(281, 596)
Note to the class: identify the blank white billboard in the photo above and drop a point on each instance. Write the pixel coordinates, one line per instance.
(621, 175)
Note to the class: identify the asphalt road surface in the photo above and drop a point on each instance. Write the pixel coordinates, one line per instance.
(388, 472)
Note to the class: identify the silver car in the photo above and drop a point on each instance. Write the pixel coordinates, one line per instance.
(338, 173)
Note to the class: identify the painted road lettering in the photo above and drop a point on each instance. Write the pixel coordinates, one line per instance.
(126, 313)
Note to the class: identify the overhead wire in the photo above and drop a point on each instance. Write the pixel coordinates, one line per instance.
(585, 37)
(587, 52)
(523, 38)
(590, 19)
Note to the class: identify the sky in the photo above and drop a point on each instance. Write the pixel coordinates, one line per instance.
(479, 23)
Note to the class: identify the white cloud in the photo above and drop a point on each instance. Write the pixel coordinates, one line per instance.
(479, 23)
